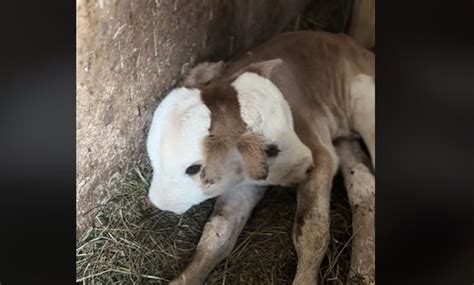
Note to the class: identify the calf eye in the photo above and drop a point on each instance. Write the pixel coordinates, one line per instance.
(272, 150)
(193, 169)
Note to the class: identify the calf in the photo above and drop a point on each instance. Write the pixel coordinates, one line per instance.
(268, 117)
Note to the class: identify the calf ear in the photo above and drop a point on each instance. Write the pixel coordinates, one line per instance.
(203, 73)
(264, 68)
(252, 150)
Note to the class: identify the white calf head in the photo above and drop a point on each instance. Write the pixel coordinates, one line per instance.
(205, 141)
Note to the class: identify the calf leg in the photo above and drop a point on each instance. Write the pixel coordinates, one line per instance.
(311, 227)
(220, 233)
(360, 185)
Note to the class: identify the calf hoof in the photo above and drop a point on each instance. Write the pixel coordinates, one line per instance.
(183, 280)
(305, 280)
(360, 279)
(180, 280)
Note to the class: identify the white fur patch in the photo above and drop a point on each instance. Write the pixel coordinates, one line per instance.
(363, 91)
(180, 123)
(266, 112)
(260, 100)
(363, 108)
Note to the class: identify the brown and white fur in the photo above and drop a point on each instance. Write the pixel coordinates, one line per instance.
(270, 117)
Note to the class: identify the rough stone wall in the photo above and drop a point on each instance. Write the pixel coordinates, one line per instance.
(129, 53)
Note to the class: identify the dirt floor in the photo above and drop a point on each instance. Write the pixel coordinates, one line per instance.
(131, 243)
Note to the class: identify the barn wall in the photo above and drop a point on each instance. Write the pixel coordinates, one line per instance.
(362, 24)
(129, 53)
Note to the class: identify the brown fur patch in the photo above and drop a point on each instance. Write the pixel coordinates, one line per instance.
(305, 202)
(300, 216)
(228, 130)
(221, 100)
(264, 68)
(216, 149)
(253, 154)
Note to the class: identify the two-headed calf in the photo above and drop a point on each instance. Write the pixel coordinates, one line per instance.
(270, 117)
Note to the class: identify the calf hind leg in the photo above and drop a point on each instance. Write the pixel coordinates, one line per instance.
(360, 185)
(230, 214)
